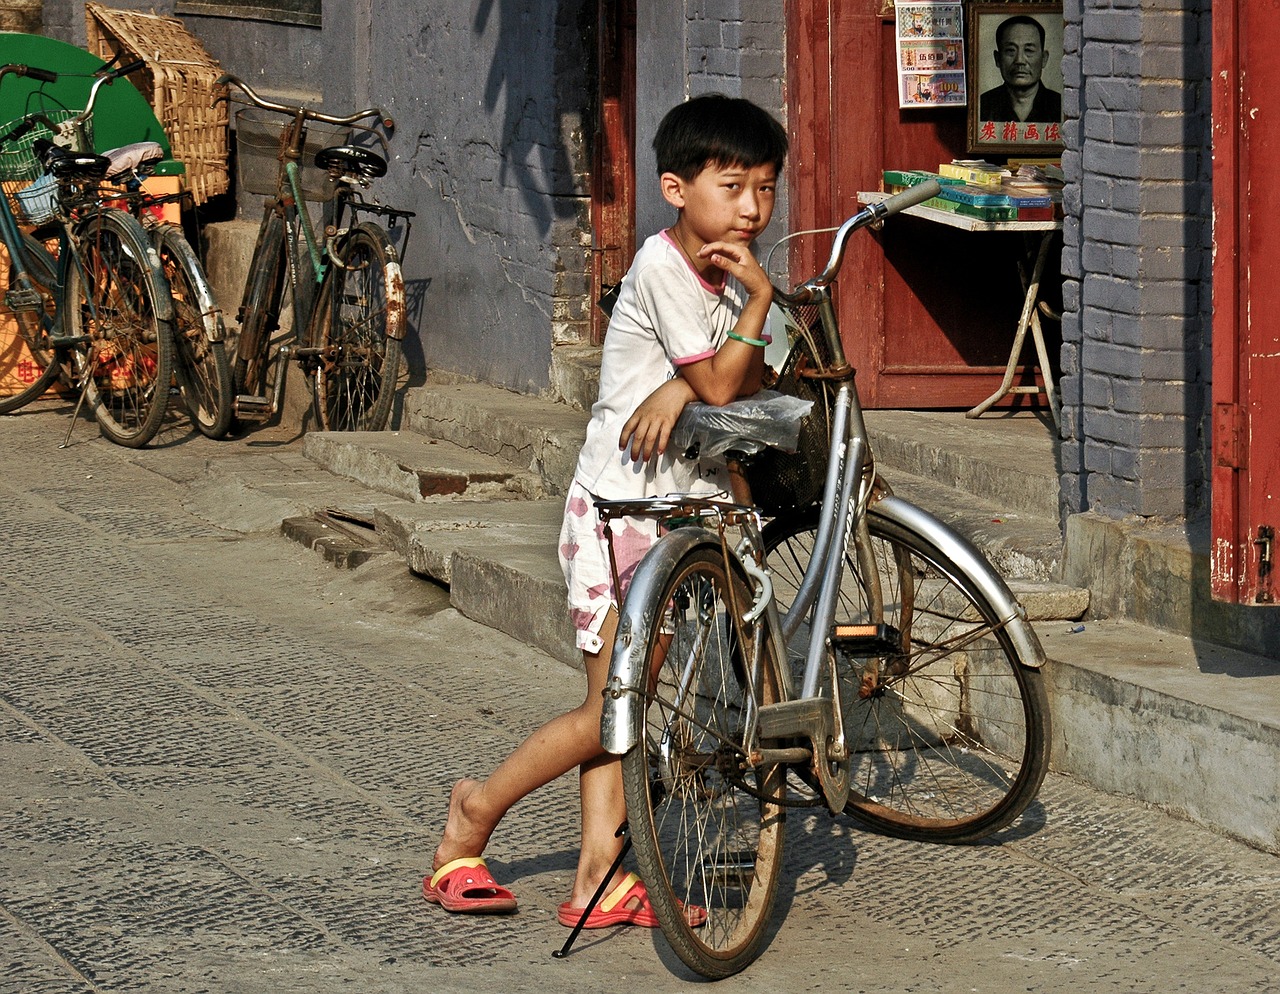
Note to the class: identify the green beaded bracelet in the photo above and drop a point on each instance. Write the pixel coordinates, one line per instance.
(758, 342)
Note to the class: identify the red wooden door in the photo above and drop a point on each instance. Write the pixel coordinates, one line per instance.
(1246, 302)
(613, 171)
(928, 312)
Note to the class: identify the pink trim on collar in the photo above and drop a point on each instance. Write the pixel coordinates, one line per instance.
(709, 287)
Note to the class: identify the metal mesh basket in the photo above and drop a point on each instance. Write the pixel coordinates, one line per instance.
(788, 481)
(17, 160)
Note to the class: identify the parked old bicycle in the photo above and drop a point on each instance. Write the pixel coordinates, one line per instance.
(97, 307)
(201, 366)
(346, 288)
(854, 653)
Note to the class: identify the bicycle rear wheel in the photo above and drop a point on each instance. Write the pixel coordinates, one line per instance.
(357, 327)
(125, 311)
(32, 332)
(947, 726)
(201, 367)
(708, 838)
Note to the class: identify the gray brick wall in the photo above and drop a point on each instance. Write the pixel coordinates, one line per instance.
(1136, 258)
(493, 105)
(690, 47)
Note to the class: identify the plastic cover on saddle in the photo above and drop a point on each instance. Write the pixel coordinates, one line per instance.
(764, 420)
(128, 158)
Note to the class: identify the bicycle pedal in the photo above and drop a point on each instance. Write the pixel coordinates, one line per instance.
(863, 641)
(251, 408)
(68, 341)
(22, 299)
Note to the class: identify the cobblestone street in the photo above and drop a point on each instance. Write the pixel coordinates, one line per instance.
(225, 767)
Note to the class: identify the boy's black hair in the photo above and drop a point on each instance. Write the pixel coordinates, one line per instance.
(715, 130)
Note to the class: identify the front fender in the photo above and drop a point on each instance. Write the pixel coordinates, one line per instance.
(623, 713)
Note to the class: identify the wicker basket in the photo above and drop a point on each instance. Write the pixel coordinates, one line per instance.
(179, 82)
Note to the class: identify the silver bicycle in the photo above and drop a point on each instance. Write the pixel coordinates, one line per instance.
(818, 641)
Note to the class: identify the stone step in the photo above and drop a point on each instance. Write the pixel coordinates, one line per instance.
(1009, 460)
(533, 434)
(1019, 544)
(498, 559)
(414, 467)
(1181, 723)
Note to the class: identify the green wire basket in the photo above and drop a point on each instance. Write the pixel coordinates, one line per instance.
(17, 160)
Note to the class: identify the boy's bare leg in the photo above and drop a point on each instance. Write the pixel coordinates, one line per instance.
(569, 740)
(604, 808)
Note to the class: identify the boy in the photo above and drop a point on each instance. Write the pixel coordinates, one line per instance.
(688, 325)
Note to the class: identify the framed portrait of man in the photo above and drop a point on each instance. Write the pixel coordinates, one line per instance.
(1015, 78)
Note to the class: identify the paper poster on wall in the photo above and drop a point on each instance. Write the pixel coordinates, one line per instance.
(930, 54)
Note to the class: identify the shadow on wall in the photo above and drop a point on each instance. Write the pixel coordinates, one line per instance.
(530, 160)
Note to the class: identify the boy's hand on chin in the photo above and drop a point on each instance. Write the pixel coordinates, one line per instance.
(741, 264)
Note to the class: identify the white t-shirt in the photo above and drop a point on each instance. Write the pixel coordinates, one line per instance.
(666, 316)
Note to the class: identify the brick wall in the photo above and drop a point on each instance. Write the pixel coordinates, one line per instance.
(1136, 259)
(493, 105)
(733, 47)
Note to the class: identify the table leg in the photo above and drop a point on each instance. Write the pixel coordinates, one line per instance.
(1029, 319)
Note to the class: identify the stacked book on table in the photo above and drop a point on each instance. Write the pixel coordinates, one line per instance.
(985, 191)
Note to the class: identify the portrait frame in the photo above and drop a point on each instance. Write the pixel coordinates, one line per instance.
(1002, 136)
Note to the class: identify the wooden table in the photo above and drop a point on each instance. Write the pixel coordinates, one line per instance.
(1029, 320)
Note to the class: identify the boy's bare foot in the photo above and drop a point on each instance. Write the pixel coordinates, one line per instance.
(463, 835)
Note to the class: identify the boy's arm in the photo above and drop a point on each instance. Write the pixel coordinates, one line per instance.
(737, 368)
(648, 430)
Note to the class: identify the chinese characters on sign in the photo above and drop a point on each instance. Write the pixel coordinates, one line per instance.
(930, 54)
(1021, 132)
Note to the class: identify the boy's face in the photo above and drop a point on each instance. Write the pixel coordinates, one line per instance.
(723, 203)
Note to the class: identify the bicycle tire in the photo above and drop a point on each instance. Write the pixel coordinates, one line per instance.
(949, 739)
(703, 836)
(201, 366)
(260, 311)
(126, 313)
(32, 332)
(356, 325)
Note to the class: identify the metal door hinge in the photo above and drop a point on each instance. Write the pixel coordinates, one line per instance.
(1266, 552)
(1229, 449)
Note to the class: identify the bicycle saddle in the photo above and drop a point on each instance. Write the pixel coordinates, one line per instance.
(352, 159)
(65, 164)
(138, 157)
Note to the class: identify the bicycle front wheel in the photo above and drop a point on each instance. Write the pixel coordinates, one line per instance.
(260, 310)
(947, 727)
(201, 367)
(357, 328)
(125, 311)
(42, 367)
(707, 829)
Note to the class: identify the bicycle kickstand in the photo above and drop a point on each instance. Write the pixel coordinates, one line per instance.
(625, 834)
(89, 365)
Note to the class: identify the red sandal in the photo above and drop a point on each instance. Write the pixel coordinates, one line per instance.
(465, 886)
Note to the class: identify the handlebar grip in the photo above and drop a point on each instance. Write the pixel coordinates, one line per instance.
(910, 197)
(125, 70)
(44, 75)
(22, 128)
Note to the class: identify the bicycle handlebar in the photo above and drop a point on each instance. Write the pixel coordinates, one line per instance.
(868, 215)
(44, 75)
(306, 113)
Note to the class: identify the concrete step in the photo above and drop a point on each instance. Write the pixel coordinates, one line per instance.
(414, 467)
(1020, 545)
(1009, 460)
(537, 435)
(498, 559)
(1181, 723)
